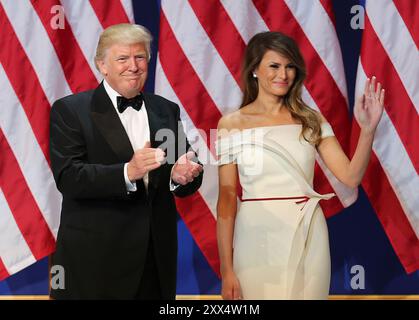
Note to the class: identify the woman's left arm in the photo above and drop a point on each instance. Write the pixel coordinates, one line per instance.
(368, 110)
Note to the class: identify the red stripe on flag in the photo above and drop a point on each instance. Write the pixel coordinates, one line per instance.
(204, 117)
(76, 69)
(3, 271)
(25, 83)
(328, 7)
(398, 105)
(21, 202)
(331, 102)
(200, 107)
(202, 226)
(109, 12)
(222, 33)
(408, 9)
(389, 211)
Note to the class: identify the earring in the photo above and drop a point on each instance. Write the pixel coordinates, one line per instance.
(254, 75)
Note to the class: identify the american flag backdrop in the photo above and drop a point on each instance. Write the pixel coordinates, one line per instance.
(47, 50)
(390, 51)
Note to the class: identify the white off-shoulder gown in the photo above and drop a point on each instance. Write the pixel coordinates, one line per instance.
(281, 244)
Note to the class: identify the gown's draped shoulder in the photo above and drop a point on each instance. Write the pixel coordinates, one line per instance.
(227, 148)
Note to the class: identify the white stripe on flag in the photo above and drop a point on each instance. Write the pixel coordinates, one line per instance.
(320, 31)
(128, 7)
(38, 48)
(30, 158)
(395, 161)
(86, 28)
(14, 251)
(245, 17)
(202, 55)
(398, 43)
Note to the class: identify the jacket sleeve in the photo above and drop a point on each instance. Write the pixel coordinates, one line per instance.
(188, 189)
(74, 176)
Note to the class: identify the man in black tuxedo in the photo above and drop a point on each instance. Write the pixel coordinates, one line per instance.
(118, 234)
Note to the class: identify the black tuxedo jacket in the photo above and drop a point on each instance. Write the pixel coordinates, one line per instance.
(104, 230)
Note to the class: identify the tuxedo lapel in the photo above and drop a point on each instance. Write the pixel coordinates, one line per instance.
(107, 121)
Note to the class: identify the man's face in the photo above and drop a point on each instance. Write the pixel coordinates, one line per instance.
(125, 68)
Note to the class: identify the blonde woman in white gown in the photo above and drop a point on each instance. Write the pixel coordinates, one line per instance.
(273, 244)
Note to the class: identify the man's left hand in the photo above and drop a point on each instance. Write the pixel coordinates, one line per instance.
(185, 170)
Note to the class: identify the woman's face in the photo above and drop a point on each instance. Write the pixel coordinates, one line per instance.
(275, 74)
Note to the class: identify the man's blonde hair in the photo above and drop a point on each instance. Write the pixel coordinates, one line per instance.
(124, 33)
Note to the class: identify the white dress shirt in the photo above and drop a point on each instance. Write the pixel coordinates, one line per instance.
(137, 128)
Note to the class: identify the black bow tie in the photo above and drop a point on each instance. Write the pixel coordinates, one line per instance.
(124, 103)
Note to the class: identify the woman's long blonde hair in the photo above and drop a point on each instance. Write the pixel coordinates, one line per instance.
(285, 46)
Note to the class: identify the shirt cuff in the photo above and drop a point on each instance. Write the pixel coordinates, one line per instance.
(131, 186)
(172, 185)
